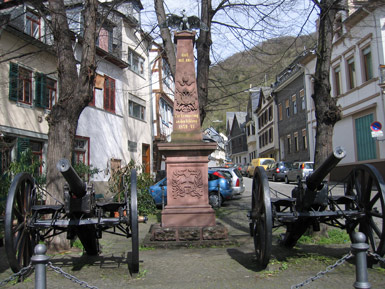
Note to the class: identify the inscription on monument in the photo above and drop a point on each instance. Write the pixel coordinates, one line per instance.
(187, 182)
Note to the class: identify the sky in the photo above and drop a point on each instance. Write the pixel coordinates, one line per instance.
(289, 20)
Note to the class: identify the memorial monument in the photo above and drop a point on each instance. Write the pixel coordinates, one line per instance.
(187, 208)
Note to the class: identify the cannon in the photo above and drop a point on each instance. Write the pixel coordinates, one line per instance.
(81, 215)
(357, 203)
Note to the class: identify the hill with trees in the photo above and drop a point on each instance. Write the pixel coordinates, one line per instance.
(230, 79)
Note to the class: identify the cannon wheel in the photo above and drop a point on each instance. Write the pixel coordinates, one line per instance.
(367, 185)
(261, 217)
(134, 224)
(20, 239)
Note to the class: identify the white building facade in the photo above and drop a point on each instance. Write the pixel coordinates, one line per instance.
(355, 75)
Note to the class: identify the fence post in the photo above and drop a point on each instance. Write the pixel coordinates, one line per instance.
(359, 249)
(40, 261)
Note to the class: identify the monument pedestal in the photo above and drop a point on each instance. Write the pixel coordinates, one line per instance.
(187, 185)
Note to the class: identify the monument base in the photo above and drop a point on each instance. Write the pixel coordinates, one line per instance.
(170, 237)
(187, 184)
(191, 216)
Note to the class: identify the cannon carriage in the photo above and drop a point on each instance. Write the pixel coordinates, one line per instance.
(81, 215)
(360, 207)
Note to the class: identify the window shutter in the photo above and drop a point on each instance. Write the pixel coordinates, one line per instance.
(13, 80)
(41, 90)
(22, 145)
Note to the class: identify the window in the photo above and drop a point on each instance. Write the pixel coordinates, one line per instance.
(253, 129)
(20, 87)
(109, 94)
(136, 110)
(287, 105)
(367, 59)
(104, 40)
(32, 25)
(271, 135)
(165, 112)
(36, 148)
(280, 111)
(20, 84)
(351, 73)
(296, 143)
(45, 90)
(135, 62)
(366, 145)
(294, 100)
(270, 113)
(302, 97)
(304, 139)
(288, 143)
(337, 80)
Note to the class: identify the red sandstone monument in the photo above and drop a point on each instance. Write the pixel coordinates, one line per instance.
(187, 215)
(186, 154)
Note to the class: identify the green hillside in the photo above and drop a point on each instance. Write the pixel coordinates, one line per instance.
(230, 79)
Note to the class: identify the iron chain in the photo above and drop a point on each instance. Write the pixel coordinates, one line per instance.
(70, 277)
(322, 273)
(378, 257)
(22, 272)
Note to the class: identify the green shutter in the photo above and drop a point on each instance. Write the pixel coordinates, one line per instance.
(22, 145)
(40, 90)
(366, 145)
(13, 81)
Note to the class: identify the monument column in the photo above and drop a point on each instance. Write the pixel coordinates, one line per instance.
(186, 154)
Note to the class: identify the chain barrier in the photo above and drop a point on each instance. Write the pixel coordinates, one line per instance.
(322, 273)
(70, 277)
(22, 272)
(377, 257)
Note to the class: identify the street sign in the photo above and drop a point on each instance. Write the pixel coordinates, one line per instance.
(376, 126)
(378, 133)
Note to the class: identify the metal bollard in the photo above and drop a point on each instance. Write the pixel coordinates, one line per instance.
(359, 249)
(40, 261)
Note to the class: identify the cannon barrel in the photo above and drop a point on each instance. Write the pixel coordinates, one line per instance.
(76, 185)
(316, 178)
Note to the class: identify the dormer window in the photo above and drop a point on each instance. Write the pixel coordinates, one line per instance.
(33, 25)
(104, 40)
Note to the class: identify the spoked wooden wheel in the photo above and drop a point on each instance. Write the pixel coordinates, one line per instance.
(20, 237)
(367, 186)
(261, 217)
(134, 224)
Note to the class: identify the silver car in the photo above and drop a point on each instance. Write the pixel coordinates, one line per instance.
(235, 176)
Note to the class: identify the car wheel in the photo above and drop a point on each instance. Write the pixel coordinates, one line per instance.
(215, 200)
(274, 178)
(286, 180)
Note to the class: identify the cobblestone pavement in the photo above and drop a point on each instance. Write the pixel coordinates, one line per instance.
(229, 266)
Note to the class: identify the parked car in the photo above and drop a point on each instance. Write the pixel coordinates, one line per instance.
(299, 171)
(235, 176)
(264, 162)
(243, 170)
(215, 180)
(278, 170)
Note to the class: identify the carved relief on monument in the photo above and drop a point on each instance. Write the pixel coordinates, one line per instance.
(187, 182)
(185, 90)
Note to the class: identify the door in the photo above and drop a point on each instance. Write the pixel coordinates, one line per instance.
(146, 157)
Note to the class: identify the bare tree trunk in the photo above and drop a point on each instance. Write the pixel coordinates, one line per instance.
(203, 46)
(74, 93)
(327, 112)
(165, 33)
